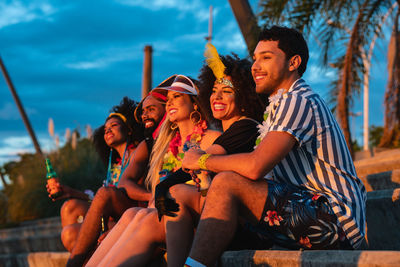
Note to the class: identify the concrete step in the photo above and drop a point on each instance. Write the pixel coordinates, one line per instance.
(33, 236)
(32, 228)
(43, 242)
(44, 221)
(383, 219)
(244, 258)
(51, 259)
(321, 258)
(382, 180)
(382, 162)
(38, 259)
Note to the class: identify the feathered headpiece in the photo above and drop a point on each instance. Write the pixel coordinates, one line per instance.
(214, 62)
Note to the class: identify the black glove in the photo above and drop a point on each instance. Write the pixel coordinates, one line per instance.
(165, 205)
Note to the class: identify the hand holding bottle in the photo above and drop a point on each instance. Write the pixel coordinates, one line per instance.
(53, 185)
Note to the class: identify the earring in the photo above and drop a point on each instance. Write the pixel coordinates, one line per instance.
(173, 126)
(195, 117)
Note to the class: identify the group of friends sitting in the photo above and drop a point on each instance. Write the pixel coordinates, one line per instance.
(245, 157)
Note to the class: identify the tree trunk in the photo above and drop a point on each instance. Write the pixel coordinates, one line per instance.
(20, 108)
(391, 130)
(247, 23)
(343, 111)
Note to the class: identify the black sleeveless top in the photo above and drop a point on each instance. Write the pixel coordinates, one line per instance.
(240, 137)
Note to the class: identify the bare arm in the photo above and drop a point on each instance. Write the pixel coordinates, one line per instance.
(274, 147)
(68, 192)
(134, 172)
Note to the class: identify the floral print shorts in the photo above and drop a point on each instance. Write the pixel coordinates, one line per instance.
(296, 219)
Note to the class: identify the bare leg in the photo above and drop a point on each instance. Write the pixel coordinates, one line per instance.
(70, 212)
(229, 197)
(139, 241)
(107, 202)
(180, 230)
(69, 234)
(117, 232)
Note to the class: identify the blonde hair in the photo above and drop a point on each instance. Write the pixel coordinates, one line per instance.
(158, 152)
(161, 146)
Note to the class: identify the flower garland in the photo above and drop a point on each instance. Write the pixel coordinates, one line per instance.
(264, 127)
(173, 159)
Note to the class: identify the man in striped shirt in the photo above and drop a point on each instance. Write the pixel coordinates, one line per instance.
(299, 187)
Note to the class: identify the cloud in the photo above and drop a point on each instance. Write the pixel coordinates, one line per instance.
(9, 112)
(317, 74)
(182, 7)
(17, 141)
(107, 56)
(17, 12)
(229, 38)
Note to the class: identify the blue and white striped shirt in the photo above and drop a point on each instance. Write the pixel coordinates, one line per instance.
(320, 162)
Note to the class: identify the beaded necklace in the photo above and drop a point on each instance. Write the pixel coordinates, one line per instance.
(173, 159)
(115, 171)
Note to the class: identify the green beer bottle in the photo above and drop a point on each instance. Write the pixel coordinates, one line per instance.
(52, 180)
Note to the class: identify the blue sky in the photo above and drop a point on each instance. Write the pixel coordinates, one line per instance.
(73, 60)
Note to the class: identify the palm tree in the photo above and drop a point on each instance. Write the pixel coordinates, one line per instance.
(247, 22)
(391, 132)
(343, 48)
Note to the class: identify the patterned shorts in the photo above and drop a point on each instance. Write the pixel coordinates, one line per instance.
(298, 219)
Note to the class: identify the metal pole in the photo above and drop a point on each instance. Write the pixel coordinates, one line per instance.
(366, 108)
(147, 66)
(20, 108)
(210, 26)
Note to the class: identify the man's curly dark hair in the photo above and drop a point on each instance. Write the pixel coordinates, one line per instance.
(246, 98)
(127, 108)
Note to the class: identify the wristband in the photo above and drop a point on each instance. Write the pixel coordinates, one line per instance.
(202, 161)
(90, 194)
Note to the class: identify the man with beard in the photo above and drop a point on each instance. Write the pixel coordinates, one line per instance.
(109, 201)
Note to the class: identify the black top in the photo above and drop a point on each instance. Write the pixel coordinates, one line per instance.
(149, 143)
(240, 137)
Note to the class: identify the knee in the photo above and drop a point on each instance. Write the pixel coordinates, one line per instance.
(141, 214)
(69, 206)
(223, 180)
(224, 185)
(178, 192)
(129, 215)
(150, 227)
(69, 235)
(71, 209)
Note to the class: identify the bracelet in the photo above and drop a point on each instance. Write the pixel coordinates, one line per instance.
(202, 161)
(89, 194)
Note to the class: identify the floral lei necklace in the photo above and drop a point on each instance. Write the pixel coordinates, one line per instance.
(264, 127)
(173, 159)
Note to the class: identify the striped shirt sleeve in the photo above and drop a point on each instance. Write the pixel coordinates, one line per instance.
(294, 115)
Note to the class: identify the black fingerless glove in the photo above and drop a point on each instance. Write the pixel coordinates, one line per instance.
(165, 205)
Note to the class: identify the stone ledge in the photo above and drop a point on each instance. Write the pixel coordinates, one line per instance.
(383, 219)
(364, 167)
(246, 258)
(382, 180)
(321, 258)
(37, 259)
(44, 242)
